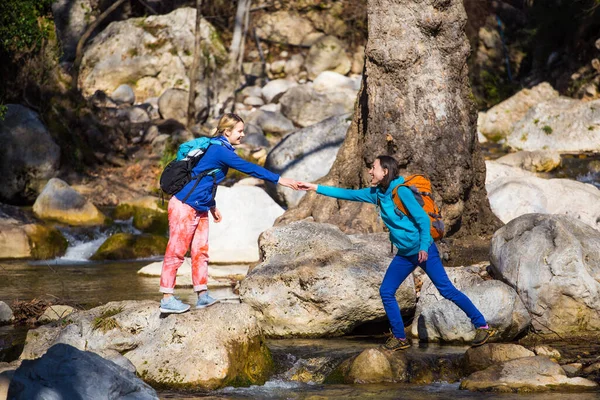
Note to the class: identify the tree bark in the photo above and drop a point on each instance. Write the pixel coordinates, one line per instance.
(191, 116)
(415, 104)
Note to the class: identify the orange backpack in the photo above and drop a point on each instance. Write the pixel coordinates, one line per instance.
(421, 189)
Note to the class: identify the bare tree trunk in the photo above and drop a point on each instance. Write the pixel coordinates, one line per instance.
(191, 118)
(414, 104)
(239, 32)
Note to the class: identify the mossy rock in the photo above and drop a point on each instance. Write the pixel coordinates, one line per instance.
(126, 246)
(144, 219)
(46, 242)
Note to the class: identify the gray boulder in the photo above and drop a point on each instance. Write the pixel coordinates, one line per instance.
(527, 374)
(59, 202)
(306, 155)
(285, 27)
(533, 161)
(327, 54)
(6, 313)
(173, 104)
(564, 125)
(28, 155)
(315, 281)
(124, 94)
(482, 357)
(65, 372)
(305, 106)
(498, 122)
(212, 348)
(271, 122)
(274, 89)
(553, 262)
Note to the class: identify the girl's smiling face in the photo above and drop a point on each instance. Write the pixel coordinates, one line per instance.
(377, 173)
(235, 135)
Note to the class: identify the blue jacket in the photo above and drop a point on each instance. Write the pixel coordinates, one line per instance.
(222, 158)
(408, 234)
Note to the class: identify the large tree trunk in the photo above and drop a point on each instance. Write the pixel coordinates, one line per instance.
(414, 104)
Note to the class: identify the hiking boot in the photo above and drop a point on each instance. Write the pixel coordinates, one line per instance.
(204, 300)
(172, 305)
(394, 344)
(482, 336)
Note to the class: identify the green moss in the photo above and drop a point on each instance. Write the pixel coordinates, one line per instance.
(126, 246)
(132, 52)
(547, 129)
(46, 242)
(105, 322)
(535, 121)
(156, 45)
(524, 137)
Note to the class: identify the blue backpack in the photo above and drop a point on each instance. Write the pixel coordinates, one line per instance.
(178, 172)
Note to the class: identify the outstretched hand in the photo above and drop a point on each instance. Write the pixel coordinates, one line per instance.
(216, 214)
(287, 182)
(307, 186)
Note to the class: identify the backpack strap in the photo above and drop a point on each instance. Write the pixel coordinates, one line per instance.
(198, 178)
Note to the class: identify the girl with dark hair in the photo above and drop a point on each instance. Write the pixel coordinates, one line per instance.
(188, 212)
(411, 236)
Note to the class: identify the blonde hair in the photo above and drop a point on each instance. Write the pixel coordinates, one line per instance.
(228, 121)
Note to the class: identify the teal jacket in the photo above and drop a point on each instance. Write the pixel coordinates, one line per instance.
(408, 234)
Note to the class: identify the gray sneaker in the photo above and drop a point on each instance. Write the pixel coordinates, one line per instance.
(172, 305)
(204, 300)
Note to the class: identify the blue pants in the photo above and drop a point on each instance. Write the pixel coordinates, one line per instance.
(401, 267)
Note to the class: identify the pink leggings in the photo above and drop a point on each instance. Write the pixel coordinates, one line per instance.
(186, 226)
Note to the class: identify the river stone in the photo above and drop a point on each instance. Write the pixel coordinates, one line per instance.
(274, 89)
(498, 122)
(58, 201)
(285, 27)
(6, 314)
(123, 95)
(253, 101)
(64, 372)
(495, 170)
(151, 54)
(128, 246)
(327, 54)
(28, 155)
(547, 351)
(371, 366)
(511, 197)
(271, 122)
(306, 155)
(526, 374)
(315, 281)
(135, 115)
(56, 313)
(305, 106)
(498, 302)
(564, 125)
(482, 357)
(173, 104)
(215, 347)
(247, 212)
(553, 262)
(14, 242)
(333, 81)
(147, 215)
(533, 161)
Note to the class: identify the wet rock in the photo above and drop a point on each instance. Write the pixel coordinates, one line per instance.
(127, 246)
(310, 273)
(306, 155)
(247, 212)
(592, 369)
(528, 374)
(514, 196)
(572, 369)
(553, 263)
(564, 125)
(499, 121)
(56, 313)
(327, 54)
(370, 366)
(231, 349)
(534, 161)
(6, 314)
(498, 302)
(58, 201)
(285, 27)
(123, 95)
(305, 106)
(274, 89)
(28, 155)
(64, 372)
(482, 357)
(154, 52)
(147, 215)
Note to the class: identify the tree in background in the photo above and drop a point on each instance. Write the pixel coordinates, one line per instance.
(415, 104)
